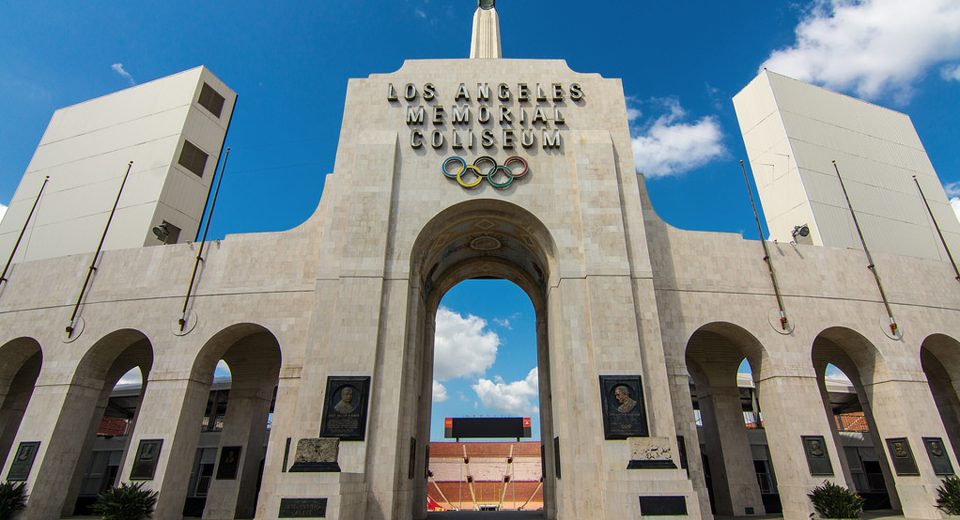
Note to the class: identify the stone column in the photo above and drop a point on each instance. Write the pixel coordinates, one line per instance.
(14, 404)
(86, 451)
(687, 427)
(728, 450)
(905, 408)
(172, 410)
(244, 426)
(792, 407)
(55, 415)
(272, 487)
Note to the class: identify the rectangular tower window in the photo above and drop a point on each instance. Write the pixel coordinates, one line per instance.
(211, 100)
(193, 158)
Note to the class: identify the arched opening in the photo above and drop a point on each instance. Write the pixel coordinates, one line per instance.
(22, 358)
(940, 359)
(724, 362)
(846, 365)
(242, 364)
(479, 240)
(73, 444)
(485, 366)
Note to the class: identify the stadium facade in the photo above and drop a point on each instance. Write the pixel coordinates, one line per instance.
(521, 170)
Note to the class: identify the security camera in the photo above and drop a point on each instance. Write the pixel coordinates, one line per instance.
(801, 231)
(161, 232)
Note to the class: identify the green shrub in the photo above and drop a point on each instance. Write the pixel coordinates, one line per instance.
(126, 502)
(948, 496)
(13, 498)
(835, 501)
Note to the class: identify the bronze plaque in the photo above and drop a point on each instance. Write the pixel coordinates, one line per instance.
(303, 508)
(818, 460)
(23, 461)
(345, 408)
(621, 399)
(938, 456)
(902, 456)
(229, 462)
(145, 465)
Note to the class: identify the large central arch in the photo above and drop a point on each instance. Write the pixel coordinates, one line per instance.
(479, 239)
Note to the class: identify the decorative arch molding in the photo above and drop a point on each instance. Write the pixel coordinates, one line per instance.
(244, 347)
(851, 352)
(725, 345)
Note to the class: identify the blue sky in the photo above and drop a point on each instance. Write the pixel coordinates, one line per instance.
(680, 62)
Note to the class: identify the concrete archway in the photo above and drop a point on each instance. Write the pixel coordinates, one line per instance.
(478, 239)
(18, 375)
(732, 458)
(222, 479)
(863, 461)
(940, 359)
(82, 400)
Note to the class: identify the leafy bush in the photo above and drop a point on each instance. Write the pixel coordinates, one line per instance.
(835, 501)
(948, 496)
(13, 498)
(126, 502)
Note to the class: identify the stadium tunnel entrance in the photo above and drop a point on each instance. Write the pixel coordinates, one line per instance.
(480, 239)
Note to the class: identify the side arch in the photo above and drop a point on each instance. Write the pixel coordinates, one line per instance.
(22, 359)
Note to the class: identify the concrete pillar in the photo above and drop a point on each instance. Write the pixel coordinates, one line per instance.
(905, 408)
(687, 427)
(731, 462)
(86, 451)
(792, 407)
(245, 425)
(14, 404)
(273, 485)
(54, 416)
(172, 410)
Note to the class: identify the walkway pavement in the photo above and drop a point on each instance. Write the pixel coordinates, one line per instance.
(486, 515)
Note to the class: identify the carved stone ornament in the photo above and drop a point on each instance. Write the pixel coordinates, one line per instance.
(317, 455)
(651, 453)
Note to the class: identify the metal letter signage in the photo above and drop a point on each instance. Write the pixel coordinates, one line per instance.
(500, 176)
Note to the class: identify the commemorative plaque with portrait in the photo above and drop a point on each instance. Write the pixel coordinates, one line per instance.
(23, 461)
(229, 462)
(145, 464)
(624, 414)
(345, 408)
(818, 460)
(938, 456)
(902, 456)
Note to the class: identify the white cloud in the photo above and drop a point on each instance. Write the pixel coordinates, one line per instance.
(132, 377)
(668, 146)
(3, 211)
(439, 392)
(515, 397)
(222, 370)
(503, 322)
(420, 12)
(462, 346)
(871, 46)
(953, 192)
(835, 374)
(118, 68)
(951, 72)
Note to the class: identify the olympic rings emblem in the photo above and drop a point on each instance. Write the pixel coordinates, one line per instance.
(470, 176)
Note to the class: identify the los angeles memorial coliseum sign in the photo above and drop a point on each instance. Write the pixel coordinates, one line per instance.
(526, 127)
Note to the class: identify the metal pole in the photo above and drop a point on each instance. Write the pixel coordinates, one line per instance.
(953, 264)
(784, 323)
(870, 265)
(93, 263)
(193, 276)
(3, 276)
